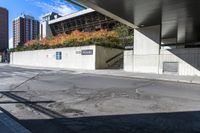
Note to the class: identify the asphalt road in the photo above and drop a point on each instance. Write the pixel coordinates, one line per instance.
(49, 101)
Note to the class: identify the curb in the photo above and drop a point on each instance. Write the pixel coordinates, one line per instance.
(156, 79)
(189, 80)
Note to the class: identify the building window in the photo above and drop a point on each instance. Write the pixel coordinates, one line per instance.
(58, 55)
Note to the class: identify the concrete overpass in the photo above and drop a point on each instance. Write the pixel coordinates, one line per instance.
(179, 19)
(166, 37)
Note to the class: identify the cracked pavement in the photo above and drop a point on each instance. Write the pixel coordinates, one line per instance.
(50, 101)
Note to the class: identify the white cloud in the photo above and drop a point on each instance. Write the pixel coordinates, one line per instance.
(11, 43)
(58, 6)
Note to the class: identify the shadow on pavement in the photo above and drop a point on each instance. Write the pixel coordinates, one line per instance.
(177, 122)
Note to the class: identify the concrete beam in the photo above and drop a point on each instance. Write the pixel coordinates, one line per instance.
(107, 13)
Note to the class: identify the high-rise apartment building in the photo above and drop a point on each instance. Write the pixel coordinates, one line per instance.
(25, 28)
(3, 29)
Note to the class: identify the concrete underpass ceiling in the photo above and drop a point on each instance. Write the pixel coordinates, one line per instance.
(179, 19)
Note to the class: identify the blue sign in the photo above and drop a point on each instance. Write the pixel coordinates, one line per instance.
(58, 55)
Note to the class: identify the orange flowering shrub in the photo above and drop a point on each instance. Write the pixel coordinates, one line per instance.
(75, 36)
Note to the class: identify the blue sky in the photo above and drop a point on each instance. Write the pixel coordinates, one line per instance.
(36, 8)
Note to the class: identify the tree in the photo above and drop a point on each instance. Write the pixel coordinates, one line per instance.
(125, 33)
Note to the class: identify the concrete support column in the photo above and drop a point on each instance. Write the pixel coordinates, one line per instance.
(181, 32)
(147, 49)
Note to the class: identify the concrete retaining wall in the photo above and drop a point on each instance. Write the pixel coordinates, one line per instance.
(188, 61)
(103, 54)
(85, 57)
(128, 60)
(148, 57)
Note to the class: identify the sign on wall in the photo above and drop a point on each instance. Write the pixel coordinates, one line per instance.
(87, 52)
(170, 67)
(58, 55)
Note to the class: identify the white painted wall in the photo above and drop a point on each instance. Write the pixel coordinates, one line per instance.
(71, 58)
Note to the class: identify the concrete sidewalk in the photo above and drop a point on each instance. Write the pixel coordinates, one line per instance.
(121, 73)
(8, 125)
(163, 77)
